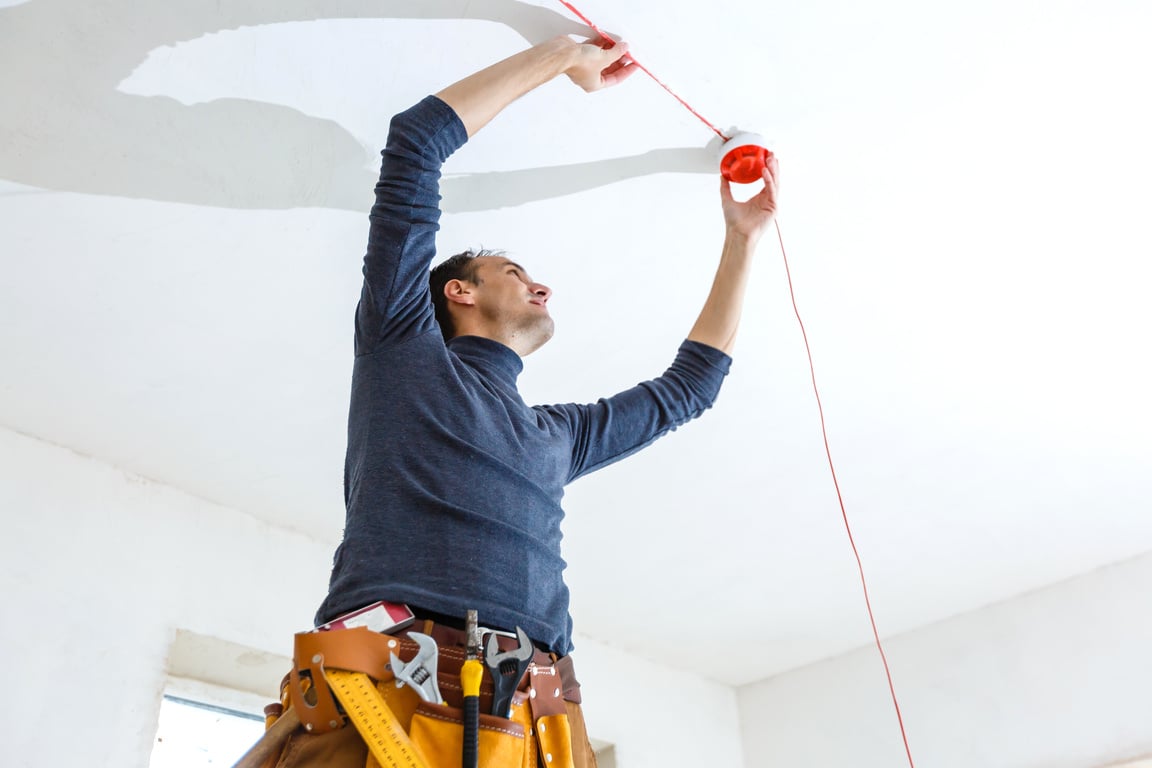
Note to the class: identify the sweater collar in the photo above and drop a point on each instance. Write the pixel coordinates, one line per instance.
(489, 357)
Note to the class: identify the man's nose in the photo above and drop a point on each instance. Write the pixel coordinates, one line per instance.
(541, 290)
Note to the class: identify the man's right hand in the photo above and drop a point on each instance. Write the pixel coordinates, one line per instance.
(750, 218)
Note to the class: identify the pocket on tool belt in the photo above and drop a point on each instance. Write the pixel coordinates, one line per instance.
(438, 732)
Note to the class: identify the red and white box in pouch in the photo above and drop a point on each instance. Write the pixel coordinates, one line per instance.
(378, 617)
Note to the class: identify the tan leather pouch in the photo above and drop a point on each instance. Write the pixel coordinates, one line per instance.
(438, 732)
(553, 731)
(555, 737)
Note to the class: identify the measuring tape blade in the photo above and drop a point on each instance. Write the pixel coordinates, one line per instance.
(374, 719)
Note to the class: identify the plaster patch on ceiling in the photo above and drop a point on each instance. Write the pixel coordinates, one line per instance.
(232, 111)
(265, 64)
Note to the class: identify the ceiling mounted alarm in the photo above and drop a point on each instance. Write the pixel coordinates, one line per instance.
(744, 157)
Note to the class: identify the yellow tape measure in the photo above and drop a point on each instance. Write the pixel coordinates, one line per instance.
(374, 719)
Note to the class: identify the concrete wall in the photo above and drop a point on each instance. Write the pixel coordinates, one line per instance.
(1059, 678)
(100, 569)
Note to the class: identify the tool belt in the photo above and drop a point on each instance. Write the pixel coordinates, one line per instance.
(343, 679)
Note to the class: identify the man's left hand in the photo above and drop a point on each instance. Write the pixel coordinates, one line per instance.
(601, 63)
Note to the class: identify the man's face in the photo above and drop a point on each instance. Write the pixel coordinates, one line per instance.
(508, 298)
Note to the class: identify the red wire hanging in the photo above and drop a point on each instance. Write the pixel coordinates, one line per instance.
(840, 498)
(819, 405)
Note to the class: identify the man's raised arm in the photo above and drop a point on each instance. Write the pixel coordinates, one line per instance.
(745, 223)
(480, 97)
(401, 243)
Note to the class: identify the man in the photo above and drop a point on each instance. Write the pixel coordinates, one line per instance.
(452, 483)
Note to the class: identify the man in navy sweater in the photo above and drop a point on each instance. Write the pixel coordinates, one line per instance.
(452, 483)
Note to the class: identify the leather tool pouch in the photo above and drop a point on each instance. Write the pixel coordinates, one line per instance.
(550, 714)
(357, 650)
(538, 733)
(438, 732)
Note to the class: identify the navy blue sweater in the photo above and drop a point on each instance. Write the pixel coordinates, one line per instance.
(452, 483)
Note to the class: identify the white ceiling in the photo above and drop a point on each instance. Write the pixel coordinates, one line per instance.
(183, 207)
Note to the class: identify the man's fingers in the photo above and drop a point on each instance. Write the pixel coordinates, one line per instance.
(604, 62)
(618, 73)
(607, 44)
(617, 47)
(605, 40)
(618, 66)
(771, 176)
(615, 55)
(769, 183)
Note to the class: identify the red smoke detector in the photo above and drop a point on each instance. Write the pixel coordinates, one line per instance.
(744, 158)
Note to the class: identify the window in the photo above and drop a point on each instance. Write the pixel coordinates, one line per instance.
(193, 733)
(212, 711)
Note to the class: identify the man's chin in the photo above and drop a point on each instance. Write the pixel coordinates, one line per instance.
(541, 333)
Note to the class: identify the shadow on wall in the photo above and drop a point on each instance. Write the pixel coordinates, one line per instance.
(66, 127)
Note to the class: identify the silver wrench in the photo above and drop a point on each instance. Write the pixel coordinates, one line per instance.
(420, 673)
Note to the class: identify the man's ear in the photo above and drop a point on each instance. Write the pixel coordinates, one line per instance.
(459, 292)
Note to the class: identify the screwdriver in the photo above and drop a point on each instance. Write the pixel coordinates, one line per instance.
(470, 676)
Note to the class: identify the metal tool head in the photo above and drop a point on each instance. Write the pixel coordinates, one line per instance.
(420, 672)
(472, 635)
(493, 656)
(507, 669)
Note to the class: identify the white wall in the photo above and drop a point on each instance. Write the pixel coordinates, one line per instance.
(654, 715)
(1059, 678)
(100, 568)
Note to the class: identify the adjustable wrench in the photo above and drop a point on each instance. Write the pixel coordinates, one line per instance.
(507, 670)
(420, 673)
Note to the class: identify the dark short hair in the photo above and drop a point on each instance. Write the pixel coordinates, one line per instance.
(462, 266)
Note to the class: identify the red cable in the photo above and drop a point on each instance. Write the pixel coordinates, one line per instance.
(815, 389)
(840, 498)
(644, 69)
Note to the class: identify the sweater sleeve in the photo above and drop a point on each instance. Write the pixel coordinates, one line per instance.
(394, 302)
(615, 427)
